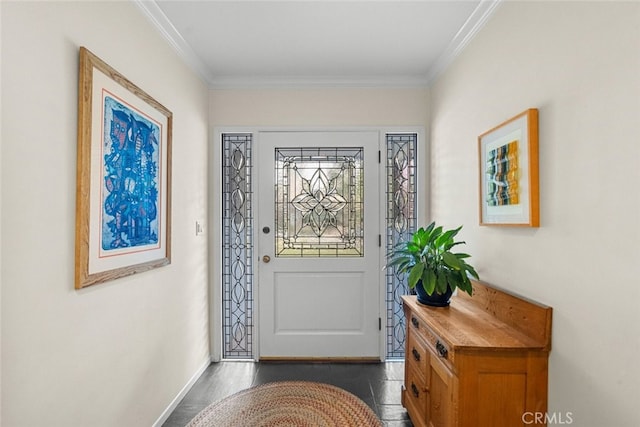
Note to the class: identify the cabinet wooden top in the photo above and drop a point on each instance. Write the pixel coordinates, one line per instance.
(491, 319)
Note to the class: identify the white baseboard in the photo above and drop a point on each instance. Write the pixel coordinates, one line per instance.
(174, 403)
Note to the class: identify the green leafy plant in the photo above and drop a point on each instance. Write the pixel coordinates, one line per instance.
(427, 258)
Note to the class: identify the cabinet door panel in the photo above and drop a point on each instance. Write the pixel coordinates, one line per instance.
(508, 393)
(439, 400)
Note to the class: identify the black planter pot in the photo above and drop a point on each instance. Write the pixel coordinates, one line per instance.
(435, 299)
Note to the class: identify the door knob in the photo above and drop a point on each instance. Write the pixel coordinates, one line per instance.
(266, 259)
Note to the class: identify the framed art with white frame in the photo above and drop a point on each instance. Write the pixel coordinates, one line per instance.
(508, 165)
(123, 189)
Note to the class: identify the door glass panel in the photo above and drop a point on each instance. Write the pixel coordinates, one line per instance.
(319, 199)
(237, 247)
(400, 223)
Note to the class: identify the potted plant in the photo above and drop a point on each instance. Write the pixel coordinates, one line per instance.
(434, 270)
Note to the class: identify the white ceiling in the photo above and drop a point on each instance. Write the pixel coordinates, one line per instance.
(318, 43)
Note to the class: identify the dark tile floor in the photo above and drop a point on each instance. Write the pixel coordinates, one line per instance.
(377, 384)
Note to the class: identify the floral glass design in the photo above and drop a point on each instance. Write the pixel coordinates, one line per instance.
(319, 202)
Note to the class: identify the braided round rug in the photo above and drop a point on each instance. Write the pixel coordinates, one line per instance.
(290, 404)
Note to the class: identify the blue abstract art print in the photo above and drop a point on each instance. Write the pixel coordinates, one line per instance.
(130, 193)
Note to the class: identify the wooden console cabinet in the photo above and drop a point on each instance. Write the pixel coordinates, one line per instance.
(481, 362)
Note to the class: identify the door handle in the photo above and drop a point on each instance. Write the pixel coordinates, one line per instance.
(266, 259)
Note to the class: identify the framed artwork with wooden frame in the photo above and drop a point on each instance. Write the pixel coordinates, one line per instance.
(123, 188)
(508, 160)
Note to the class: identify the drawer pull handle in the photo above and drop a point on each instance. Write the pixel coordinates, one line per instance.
(442, 350)
(416, 354)
(415, 390)
(415, 322)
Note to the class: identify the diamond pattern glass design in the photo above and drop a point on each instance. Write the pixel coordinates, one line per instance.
(401, 220)
(237, 247)
(319, 202)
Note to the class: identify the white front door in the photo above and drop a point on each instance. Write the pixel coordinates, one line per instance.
(318, 247)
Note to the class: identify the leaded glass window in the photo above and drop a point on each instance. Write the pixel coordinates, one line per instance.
(401, 217)
(237, 247)
(319, 199)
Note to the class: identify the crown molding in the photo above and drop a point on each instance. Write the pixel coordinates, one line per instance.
(469, 29)
(157, 17)
(298, 82)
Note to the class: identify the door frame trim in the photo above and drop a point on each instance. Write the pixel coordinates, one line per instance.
(214, 234)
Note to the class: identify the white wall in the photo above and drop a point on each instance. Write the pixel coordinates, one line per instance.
(579, 64)
(319, 107)
(114, 354)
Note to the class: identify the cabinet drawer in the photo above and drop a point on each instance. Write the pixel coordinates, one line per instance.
(439, 346)
(417, 353)
(415, 396)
